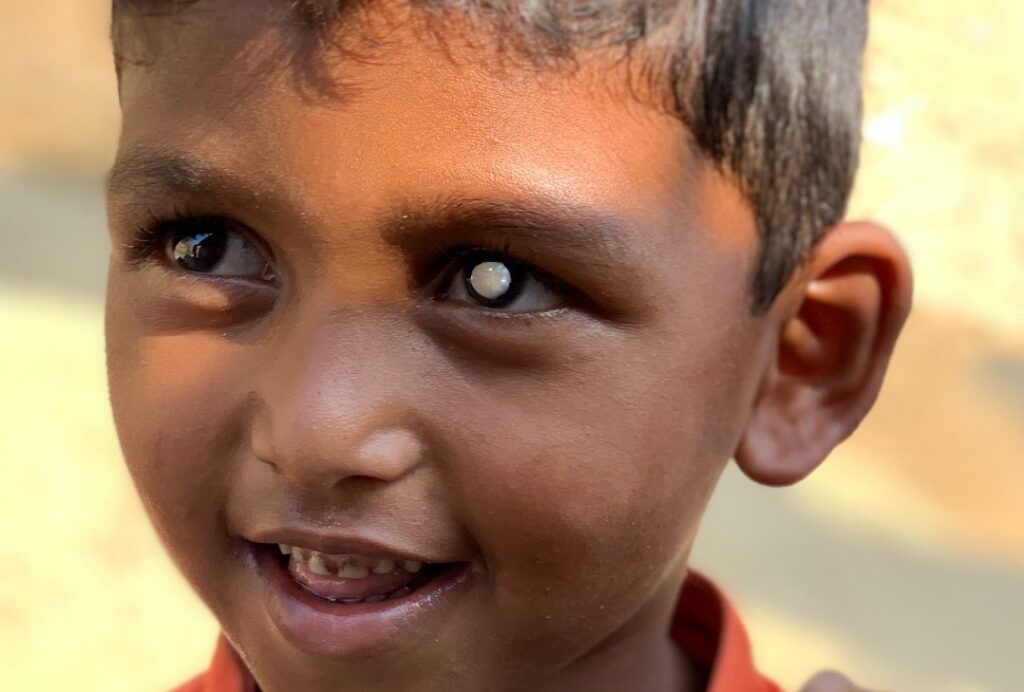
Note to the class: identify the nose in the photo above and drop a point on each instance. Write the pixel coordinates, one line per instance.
(334, 404)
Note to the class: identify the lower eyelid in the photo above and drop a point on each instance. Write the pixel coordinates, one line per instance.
(476, 312)
(196, 299)
(512, 340)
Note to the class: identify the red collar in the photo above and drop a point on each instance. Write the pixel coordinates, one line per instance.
(705, 626)
(709, 630)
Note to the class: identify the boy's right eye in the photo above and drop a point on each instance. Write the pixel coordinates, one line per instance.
(214, 247)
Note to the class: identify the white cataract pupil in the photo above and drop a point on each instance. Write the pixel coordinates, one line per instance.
(491, 279)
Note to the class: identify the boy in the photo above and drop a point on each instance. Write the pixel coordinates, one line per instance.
(432, 325)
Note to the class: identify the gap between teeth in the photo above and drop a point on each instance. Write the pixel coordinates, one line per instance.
(347, 566)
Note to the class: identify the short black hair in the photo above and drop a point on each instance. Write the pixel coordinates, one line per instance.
(769, 90)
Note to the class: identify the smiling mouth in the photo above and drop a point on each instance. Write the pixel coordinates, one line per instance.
(355, 579)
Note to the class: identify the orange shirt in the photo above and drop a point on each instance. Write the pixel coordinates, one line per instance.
(706, 628)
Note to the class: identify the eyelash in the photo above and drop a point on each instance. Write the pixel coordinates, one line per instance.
(149, 240)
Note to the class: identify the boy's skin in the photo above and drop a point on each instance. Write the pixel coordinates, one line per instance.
(566, 453)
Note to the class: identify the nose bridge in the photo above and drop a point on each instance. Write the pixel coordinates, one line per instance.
(334, 401)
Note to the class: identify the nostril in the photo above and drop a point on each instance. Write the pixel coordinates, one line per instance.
(393, 444)
(268, 462)
(389, 454)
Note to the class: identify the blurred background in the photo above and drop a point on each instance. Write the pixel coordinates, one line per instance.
(901, 561)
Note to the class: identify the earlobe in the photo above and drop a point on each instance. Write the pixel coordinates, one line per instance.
(844, 312)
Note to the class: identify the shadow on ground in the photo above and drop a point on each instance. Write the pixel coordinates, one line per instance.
(923, 616)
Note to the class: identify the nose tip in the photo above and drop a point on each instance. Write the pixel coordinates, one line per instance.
(335, 397)
(383, 455)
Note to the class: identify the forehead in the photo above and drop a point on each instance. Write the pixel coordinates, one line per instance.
(389, 109)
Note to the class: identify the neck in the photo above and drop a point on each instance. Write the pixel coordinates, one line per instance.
(638, 657)
(641, 665)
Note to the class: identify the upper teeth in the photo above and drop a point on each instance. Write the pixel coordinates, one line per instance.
(346, 566)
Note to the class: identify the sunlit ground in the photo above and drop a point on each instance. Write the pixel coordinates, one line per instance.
(900, 562)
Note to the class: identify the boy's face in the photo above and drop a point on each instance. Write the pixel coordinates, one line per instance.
(320, 358)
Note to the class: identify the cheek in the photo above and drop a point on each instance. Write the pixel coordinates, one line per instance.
(595, 482)
(178, 419)
(591, 475)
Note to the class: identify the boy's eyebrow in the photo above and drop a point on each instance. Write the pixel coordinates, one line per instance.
(567, 231)
(175, 171)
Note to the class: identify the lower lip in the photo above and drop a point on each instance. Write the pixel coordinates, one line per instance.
(319, 627)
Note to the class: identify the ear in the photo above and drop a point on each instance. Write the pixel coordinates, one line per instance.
(835, 325)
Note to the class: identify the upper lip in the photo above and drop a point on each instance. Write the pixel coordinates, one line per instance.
(339, 544)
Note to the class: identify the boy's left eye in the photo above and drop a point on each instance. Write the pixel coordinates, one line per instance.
(498, 282)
